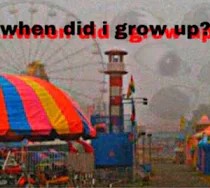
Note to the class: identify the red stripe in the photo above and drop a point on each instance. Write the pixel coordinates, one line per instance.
(92, 130)
(117, 100)
(66, 107)
(116, 81)
(4, 123)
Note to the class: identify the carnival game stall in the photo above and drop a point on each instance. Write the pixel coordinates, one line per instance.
(204, 157)
(35, 110)
(203, 163)
(200, 137)
(192, 151)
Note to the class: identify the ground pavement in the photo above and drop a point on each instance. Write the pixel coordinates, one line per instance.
(176, 175)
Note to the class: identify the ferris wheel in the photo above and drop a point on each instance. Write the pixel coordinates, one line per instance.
(71, 64)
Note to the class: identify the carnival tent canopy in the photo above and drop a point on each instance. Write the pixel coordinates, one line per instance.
(203, 121)
(37, 110)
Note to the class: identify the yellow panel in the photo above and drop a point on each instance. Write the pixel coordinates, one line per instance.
(56, 118)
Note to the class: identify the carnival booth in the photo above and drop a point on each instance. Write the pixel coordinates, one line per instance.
(203, 162)
(202, 124)
(202, 155)
(201, 149)
(36, 110)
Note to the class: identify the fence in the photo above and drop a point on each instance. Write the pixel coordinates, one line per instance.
(44, 166)
(81, 162)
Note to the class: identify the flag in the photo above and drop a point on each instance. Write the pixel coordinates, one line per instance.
(133, 112)
(131, 87)
(182, 123)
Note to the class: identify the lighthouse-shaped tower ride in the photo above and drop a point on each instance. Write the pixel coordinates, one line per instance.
(116, 70)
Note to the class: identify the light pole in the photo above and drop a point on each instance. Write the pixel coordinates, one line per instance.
(143, 147)
(142, 100)
(150, 148)
(133, 101)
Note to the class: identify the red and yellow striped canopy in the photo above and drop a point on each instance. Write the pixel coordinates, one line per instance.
(35, 109)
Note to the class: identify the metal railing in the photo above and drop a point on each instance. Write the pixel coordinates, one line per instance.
(47, 168)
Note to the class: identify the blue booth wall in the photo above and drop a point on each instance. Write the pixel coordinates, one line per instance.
(199, 160)
(204, 158)
(112, 150)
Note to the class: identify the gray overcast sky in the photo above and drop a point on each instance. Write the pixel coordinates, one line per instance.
(172, 74)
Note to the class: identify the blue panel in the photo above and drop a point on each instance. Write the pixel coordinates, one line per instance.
(207, 162)
(13, 144)
(117, 120)
(85, 123)
(15, 110)
(199, 162)
(96, 119)
(117, 123)
(113, 150)
(206, 149)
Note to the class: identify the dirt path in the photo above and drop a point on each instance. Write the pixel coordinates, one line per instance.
(174, 175)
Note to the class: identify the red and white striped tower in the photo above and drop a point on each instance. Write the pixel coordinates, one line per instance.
(116, 70)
